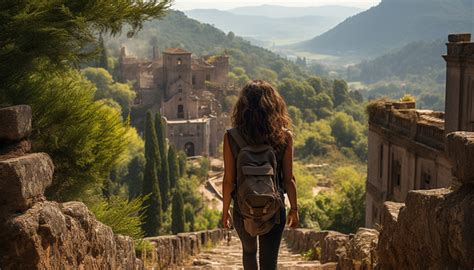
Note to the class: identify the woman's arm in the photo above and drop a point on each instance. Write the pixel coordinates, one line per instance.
(290, 184)
(228, 182)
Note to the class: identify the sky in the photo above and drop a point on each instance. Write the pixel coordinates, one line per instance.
(228, 4)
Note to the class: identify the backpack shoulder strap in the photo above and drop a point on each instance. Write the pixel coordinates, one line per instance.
(237, 137)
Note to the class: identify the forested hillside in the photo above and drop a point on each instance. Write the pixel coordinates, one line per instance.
(273, 31)
(415, 60)
(177, 30)
(393, 24)
(276, 11)
(417, 69)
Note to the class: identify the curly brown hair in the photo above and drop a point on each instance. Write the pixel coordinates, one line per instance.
(260, 112)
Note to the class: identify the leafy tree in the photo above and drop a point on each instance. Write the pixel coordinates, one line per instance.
(342, 209)
(107, 88)
(153, 212)
(295, 114)
(189, 217)
(344, 129)
(316, 83)
(38, 37)
(178, 219)
(173, 166)
(340, 92)
(164, 171)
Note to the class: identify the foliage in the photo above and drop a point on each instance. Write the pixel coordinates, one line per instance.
(407, 98)
(173, 165)
(153, 213)
(182, 163)
(343, 208)
(178, 218)
(163, 173)
(134, 177)
(45, 36)
(103, 61)
(121, 215)
(107, 88)
(208, 219)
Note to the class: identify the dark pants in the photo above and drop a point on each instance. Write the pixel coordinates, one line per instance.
(269, 244)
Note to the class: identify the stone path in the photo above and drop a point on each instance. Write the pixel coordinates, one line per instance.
(229, 257)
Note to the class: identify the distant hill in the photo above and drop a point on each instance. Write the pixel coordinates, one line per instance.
(177, 30)
(263, 23)
(392, 24)
(275, 11)
(415, 60)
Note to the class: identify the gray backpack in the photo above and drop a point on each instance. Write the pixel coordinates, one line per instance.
(258, 196)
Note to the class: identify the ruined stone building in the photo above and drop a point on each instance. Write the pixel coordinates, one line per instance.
(407, 146)
(188, 91)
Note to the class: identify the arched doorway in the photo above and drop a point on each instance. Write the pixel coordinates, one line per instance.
(189, 149)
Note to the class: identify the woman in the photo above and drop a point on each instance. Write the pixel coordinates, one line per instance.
(260, 116)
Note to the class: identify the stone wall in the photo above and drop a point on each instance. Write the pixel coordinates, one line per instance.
(434, 229)
(353, 251)
(173, 250)
(39, 234)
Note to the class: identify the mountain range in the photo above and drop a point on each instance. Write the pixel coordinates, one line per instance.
(269, 24)
(393, 24)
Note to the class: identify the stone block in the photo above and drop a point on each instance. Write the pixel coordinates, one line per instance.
(460, 37)
(15, 122)
(460, 151)
(23, 180)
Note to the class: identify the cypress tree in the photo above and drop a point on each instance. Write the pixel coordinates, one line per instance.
(135, 177)
(153, 212)
(103, 61)
(164, 170)
(182, 163)
(177, 218)
(173, 166)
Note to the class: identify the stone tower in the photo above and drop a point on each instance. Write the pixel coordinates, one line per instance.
(176, 67)
(459, 83)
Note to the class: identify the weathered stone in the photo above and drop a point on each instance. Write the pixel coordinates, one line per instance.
(23, 180)
(361, 250)
(14, 149)
(15, 122)
(63, 236)
(460, 150)
(171, 250)
(435, 230)
(460, 37)
(333, 247)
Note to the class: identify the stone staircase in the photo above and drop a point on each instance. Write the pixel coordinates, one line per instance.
(228, 255)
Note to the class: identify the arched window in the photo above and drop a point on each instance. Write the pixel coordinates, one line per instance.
(180, 111)
(208, 77)
(179, 61)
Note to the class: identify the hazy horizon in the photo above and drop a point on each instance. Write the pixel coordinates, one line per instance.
(230, 4)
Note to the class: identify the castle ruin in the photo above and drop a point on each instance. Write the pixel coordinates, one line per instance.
(188, 91)
(407, 146)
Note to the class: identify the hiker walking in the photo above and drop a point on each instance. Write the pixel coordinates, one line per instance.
(258, 170)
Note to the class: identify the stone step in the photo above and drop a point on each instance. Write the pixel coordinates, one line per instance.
(228, 255)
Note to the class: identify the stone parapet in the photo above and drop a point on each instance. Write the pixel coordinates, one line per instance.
(460, 151)
(172, 250)
(433, 230)
(354, 251)
(24, 180)
(423, 126)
